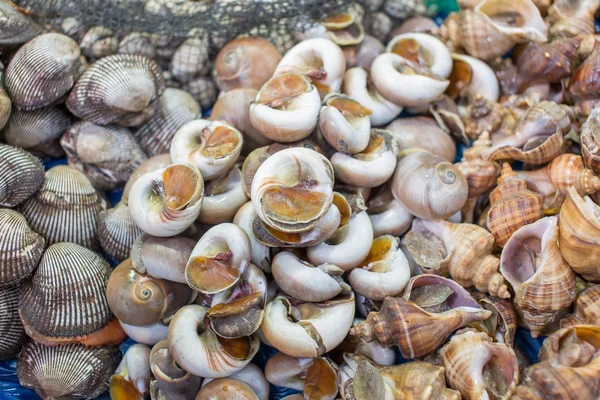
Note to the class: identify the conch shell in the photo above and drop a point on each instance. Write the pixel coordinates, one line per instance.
(569, 18)
(587, 309)
(502, 325)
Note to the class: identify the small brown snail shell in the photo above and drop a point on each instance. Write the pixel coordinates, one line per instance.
(587, 309)
(583, 85)
(501, 326)
(485, 115)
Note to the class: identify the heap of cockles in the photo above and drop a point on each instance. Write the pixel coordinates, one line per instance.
(304, 214)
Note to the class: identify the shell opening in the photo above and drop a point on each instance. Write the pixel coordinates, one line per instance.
(212, 274)
(438, 293)
(179, 183)
(280, 91)
(410, 49)
(220, 143)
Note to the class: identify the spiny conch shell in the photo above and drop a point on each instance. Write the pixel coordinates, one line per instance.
(569, 18)
(203, 89)
(67, 372)
(117, 231)
(543, 282)
(20, 175)
(66, 199)
(120, 89)
(99, 42)
(11, 327)
(553, 180)
(198, 350)
(39, 130)
(245, 63)
(132, 377)
(169, 379)
(479, 368)
(435, 307)
(501, 326)
(163, 258)
(107, 155)
(303, 329)
(551, 378)
(538, 137)
(20, 247)
(512, 206)
(223, 197)
(138, 43)
(167, 201)
(226, 389)
(587, 309)
(175, 108)
(317, 377)
(590, 141)
(465, 253)
(16, 27)
(42, 71)
(579, 235)
(286, 108)
(494, 26)
(65, 301)
(191, 59)
(485, 115)
(261, 254)
(140, 299)
(321, 60)
(358, 85)
(422, 133)
(429, 186)
(387, 215)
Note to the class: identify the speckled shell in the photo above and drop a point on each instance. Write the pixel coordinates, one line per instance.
(65, 208)
(513, 206)
(38, 130)
(20, 247)
(117, 231)
(107, 155)
(175, 108)
(67, 372)
(120, 89)
(485, 115)
(42, 71)
(65, 300)
(11, 328)
(15, 27)
(587, 309)
(20, 175)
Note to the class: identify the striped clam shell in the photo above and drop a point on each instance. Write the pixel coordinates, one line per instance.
(38, 130)
(99, 42)
(138, 43)
(20, 175)
(11, 328)
(119, 89)
(117, 231)
(5, 104)
(20, 247)
(175, 108)
(191, 59)
(66, 298)
(42, 71)
(67, 372)
(65, 208)
(15, 28)
(107, 155)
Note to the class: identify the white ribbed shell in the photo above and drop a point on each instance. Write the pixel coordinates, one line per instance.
(11, 328)
(117, 231)
(20, 175)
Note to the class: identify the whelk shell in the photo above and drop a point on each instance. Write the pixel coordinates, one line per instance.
(587, 309)
(11, 327)
(20, 175)
(590, 141)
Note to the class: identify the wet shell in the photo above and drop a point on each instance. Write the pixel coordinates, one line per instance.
(39, 130)
(11, 327)
(65, 301)
(175, 108)
(587, 309)
(120, 89)
(20, 175)
(67, 372)
(20, 247)
(67, 200)
(15, 28)
(42, 71)
(107, 155)
(117, 231)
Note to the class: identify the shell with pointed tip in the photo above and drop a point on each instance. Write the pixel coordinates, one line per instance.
(39, 130)
(175, 108)
(580, 235)
(16, 27)
(120, 89)
(20, 175)
(20, 247)
(67, 372)
(587, 309)
(65, 301)
(590, 141)
(485, 115)
(42, 71)
(583, 84)
(512, 206)
(170, 380)
(66, 199)
(11, 327)
(422, 133)
(107, 155)
(501, 326)
(99, 42)
(117, 231)
(543, 282)
(571, 18)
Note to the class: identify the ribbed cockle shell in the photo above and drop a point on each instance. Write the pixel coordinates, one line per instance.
(117, 231)
(16, 27)
(20, 175)
(11, 327)
(587, 309)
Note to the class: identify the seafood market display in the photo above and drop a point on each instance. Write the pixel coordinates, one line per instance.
(304, 236)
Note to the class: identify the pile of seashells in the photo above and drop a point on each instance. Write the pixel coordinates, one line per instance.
(305, 215)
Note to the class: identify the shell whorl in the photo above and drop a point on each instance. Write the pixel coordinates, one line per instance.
(20, 175)
(11, 328)
(117, 232)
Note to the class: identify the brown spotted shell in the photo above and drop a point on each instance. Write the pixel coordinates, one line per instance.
(20, 247)
(120, 89)
(584, 83)
(587, 309)
(175, 108)
(67, 200)
(42, 71)
(15, 27)
(67, 372)
(20, 175)
(117, 231)
(11, 327)
(107, 155)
